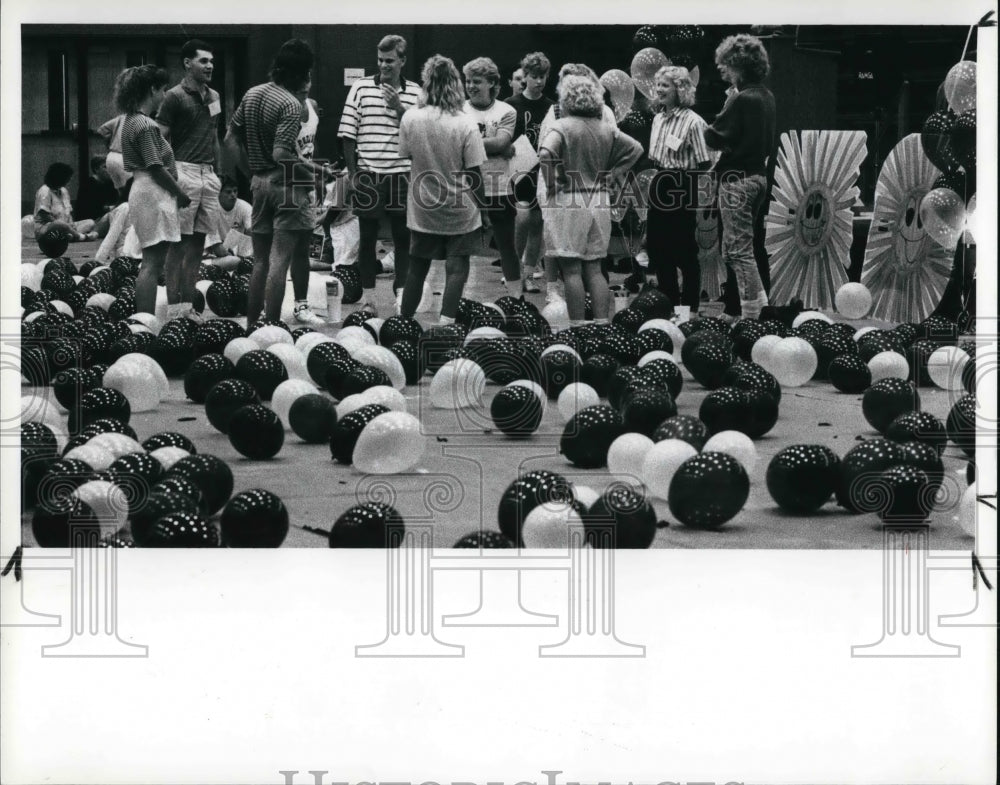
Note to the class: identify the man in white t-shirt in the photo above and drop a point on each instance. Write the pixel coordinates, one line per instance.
(232, 235)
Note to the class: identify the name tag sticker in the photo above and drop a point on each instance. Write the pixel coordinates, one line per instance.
(214, 108)
(673, 142)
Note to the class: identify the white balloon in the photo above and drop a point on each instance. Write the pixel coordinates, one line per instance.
(62, 307)
(561, 347)
(806, 316)
(38, 407)
(96, 457)
(31, 276)
(307, 341)
(391, 443)
(576, 396)
(945, 367)
(586, 495)
(556, 312)
(386, 396)
(760, 353)
(483, 333)
(354, 334)
(160, 310)
(292, 359)
(237, 347)
(853, 300)
(792, 361)
(286, 393)
(137, 381)
(383, 359)
(458, 384)
(861, 331)
(670, 329)
(147, 320)
(168, 456)
(100, 300)
(108, 502)
(736, 444)
(662, 462)
(549, 525)
(967, 511)
(656, 354)
(271, 334)
(627, 455)
(118, 444)
(888, 365)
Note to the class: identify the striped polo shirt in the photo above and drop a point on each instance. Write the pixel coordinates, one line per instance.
(374, 127)
(677, 139)
(193, 126)
(268, 115)
(143, 145)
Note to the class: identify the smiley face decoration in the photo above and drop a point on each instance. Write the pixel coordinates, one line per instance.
(809, 221)
(905, 269)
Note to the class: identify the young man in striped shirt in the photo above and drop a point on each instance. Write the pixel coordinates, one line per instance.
(378, 177)
(261, 142)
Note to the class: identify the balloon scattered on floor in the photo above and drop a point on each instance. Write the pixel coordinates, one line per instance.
(617, 392)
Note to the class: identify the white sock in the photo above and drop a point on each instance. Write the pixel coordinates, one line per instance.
(446, 319)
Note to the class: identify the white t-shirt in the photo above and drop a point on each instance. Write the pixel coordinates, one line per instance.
(498, 118)
(305, 144)
(234, 227)
(440, 146)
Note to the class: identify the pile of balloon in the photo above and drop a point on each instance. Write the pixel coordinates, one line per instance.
(90, 362)
(948, 138)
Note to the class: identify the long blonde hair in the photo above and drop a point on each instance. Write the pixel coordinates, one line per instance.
(442, 85)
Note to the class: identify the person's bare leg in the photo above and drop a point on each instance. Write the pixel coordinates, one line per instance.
(258, 277)
(413, 290)
(456, 273)
(528, 238)
(575, 294)
(174, 270)
(595, 283)
(153, 259)
(282, 251)
(300, 265)
(194, 249)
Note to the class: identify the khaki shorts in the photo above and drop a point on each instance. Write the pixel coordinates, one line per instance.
(202, 186)
(280, 208)
(441, 246)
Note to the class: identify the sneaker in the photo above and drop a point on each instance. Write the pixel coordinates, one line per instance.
(195, 316)
(553, 297)
(529, 286)
(538, 274)
(304, 315)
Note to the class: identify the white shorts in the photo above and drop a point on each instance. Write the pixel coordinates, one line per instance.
(202, 187)
(577, 226)
(116, 168)
(153, 212)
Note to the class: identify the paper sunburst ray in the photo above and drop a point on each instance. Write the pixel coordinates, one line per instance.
(713, 269)
(809, 223)
(905, 269)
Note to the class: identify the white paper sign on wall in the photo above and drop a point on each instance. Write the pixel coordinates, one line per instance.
(351, 75)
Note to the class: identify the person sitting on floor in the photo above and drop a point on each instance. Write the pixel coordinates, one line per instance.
(53, 206)
(233, 234)
(97, 195)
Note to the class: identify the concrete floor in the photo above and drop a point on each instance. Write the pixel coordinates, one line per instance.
(458, 484)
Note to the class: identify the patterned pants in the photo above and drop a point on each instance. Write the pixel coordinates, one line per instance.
(740, 201)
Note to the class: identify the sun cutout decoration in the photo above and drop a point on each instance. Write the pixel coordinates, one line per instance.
(905, 269)
(809, 224)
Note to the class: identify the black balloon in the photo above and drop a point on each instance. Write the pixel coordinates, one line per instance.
(644, 410)
(320, 356)
(169, 439)
(589, 434)
(908, 496)
(559, 370)
(484, 540)
(763, 413)
(935, 138)
(961, 424)
(516, 411)
(684, 427)
(211, 474)
(400, 328)
(335, 372)
(803, 477)
(849, 373)
(708, 489)
(254, 519)
(923, 456)
(312, 418)
(371, 525)
(204, 373)
(160, 502)
(347, 430)
(525, 494)
(361, 378)
(263, 369)
(181, 530)
(886, 400)
(620, 518)
(725, 409)
(859, 488)
(918, 427)
(708, 362)
(225, 398)
(256, 432)
(666, 372)
(99, 403)
(597, 371)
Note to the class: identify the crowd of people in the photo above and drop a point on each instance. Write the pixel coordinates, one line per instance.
(434, 160)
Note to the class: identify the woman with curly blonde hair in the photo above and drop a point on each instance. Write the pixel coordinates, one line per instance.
(581, 155)
(677, 147)
(446, 186)
(744, 132)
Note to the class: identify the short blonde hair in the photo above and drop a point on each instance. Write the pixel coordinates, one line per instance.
(681, 78)
(487, 69)
(580, 96)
